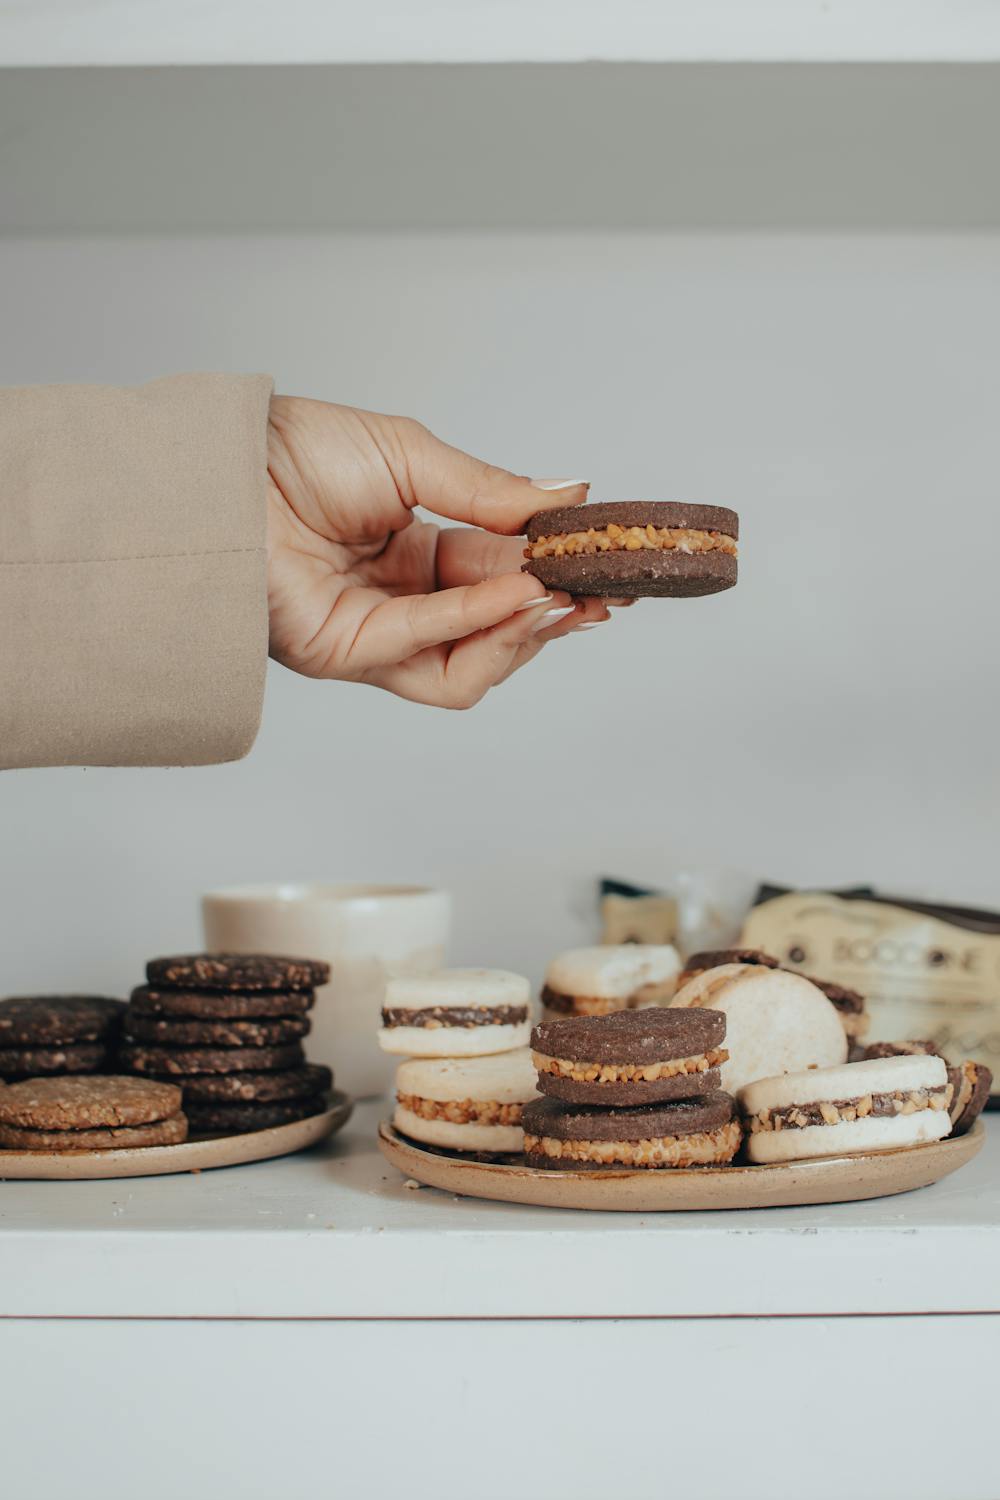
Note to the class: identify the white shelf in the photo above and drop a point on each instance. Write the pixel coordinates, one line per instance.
(336, 1234)
(54, 33)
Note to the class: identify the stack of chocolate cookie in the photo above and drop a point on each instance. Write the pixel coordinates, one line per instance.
(636, 1088)
(228, 1028)
(46, 1035)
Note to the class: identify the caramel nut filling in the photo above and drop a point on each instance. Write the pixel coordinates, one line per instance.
(833, 1112)
(594, 1072)
(462, 1111)
(630, 539)
(696, 1150)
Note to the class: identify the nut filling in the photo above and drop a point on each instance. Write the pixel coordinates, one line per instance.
(630, 539)
(591, 1072)
(699, 1149)
(433, 1016)
(832, 1112)
(462, 1111)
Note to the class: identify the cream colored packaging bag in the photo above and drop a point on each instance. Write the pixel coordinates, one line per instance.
(926, 971)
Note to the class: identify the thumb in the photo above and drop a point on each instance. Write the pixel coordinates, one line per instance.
(454, 484)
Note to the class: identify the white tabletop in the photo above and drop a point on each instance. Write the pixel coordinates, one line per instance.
(335, 1233)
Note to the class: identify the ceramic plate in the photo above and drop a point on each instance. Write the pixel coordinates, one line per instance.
(834, 1179)
(193, 1156)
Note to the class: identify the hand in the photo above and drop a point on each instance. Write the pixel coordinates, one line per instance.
(360, 590)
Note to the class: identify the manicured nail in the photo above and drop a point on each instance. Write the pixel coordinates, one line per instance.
(553, 616)
(558, 484)
(588, 625)
(533, 603)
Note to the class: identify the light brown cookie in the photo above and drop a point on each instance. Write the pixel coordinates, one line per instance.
(61, 1104)
(169, 1132)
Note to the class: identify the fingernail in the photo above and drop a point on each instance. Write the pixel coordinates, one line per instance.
(588, 625)
(533, 603)
(558, 484)
(553, 616)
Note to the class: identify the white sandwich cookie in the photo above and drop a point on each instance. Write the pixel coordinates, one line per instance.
(465, 1103)
(456, 1013)
(867, 1106)
(776, 1022)
(595, 981)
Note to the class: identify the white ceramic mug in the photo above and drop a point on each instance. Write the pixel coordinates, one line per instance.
(364, 932)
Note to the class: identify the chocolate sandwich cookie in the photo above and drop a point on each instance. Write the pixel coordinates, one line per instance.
(849, 1005)
(239, 1119)
(142, 1057)
(53, 1020)
(714, 958)
(256, 1088)
(971, 1083)
(689, 1133)
(168, 1032)
(236, 971)
(634, 548)
(220, 1005)
(920, 1047)
(630, 1057)
(456, 1013)
(75, 1057)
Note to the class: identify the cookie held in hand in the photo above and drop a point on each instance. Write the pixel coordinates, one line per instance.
(634, 548)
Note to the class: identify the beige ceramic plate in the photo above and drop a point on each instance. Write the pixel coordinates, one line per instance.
(192, 1156)
(835, 1179)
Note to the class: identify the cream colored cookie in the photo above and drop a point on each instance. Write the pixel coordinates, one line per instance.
(458, 987)
(775, 1022)
(848, 1138)
(878, 1105)
(456, 1013)
(623, 976)
(466, 1104)
(453, 1041)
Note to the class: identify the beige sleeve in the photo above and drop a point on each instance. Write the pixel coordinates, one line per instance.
(133, 597)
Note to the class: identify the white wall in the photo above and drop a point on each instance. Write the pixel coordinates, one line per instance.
(833, 719)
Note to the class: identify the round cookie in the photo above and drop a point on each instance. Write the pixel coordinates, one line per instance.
(75, 1057)
(634, 548)
(236, 971)
(456, 1013)
(219, 1005)
(690, 1133)
(170, 1132)
(776, 1022)
(86, 1103)
(465, 1103)
(52, 1020)
(878, 1105)
(168, 1032)
(256, 1088)
(142, 1057)
(622, 976)
(240, 1119)
(630, 1057)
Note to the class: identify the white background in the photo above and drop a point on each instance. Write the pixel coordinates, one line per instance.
(833, 719)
